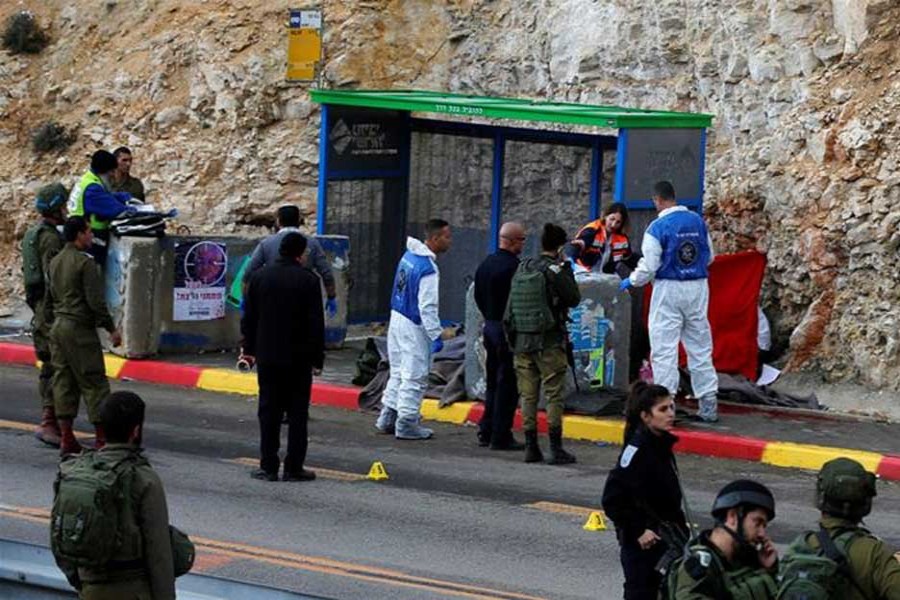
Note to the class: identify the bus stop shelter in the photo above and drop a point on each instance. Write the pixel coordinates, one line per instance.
(391, 160)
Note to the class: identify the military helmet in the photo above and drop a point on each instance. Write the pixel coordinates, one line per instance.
(50, 198)
(743, 493)
(845, 489)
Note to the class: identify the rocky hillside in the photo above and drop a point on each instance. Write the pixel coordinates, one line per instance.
(803, 154)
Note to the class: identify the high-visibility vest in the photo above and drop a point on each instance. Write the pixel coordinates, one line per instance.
(594, 251)
(76, 200)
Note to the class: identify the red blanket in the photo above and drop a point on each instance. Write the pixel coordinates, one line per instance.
(734, 282)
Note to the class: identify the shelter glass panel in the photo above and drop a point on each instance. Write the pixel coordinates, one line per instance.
(546, 183)
(450, 179)
(358, 209)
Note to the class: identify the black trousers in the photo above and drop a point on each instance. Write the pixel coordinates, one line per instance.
(502, 395)
(641, 578)
(283, 389)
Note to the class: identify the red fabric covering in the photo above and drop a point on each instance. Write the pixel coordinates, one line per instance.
(734, 282)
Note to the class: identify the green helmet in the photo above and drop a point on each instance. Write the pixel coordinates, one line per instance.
(845, 489)
(51, 198)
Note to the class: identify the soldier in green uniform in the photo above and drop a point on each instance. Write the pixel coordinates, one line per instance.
(736, 559)
(121, 179)
(76, 307)
(844, 493)
(541, 293)
(41, 243)
(140, 565)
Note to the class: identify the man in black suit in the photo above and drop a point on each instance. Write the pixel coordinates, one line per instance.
(284, 332)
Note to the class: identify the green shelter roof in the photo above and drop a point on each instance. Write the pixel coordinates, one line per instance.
(512, 108)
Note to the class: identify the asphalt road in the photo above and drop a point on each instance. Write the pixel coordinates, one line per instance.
(454, 520)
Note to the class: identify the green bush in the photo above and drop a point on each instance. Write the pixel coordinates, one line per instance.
(23, 34)
(51, 136)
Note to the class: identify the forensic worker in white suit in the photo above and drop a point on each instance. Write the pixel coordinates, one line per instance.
(414, 333)
(677, 252)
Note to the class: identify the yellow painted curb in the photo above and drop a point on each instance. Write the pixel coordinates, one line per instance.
(593, 429)
(114, 365)
(224, 380)
(456, 413)
(805, 456)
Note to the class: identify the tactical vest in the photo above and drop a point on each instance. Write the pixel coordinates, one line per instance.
(684, 239)
(592, 253)
(76, 200)
(529, 309)
(405, 294)
(742, 583)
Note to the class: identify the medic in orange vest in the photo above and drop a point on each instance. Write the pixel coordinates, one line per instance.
(604, 242)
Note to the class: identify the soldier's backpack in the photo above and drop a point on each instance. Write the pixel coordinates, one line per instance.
(528, 308)
(91, 500)
(32, 270)
(807, 573)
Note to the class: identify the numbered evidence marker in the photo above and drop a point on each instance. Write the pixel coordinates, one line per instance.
(595, 522)
(377, 472)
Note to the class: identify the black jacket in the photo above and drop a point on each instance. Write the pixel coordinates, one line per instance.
(643, 488)
(283, 322)
(492, 282)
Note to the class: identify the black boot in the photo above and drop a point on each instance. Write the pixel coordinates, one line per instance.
(558, 456)
(532, 450)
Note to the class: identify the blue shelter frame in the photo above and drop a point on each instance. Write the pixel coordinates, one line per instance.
(365, 136)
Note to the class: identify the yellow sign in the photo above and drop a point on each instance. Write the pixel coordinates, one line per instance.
(304, 55)
(595, 522)
(378, 472)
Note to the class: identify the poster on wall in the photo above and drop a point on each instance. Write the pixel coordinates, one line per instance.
(200, 268)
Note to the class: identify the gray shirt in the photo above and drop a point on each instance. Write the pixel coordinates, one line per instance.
(267, 251)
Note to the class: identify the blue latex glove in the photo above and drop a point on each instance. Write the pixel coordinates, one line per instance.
(437, 345)
(625, 284)
(331, 307)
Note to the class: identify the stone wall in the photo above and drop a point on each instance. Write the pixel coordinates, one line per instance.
(803, 150)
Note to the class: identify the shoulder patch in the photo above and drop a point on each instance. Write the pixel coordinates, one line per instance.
(555, 268)
(697, 565)
(627, 454)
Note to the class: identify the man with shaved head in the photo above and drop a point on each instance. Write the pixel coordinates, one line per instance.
(492, 283)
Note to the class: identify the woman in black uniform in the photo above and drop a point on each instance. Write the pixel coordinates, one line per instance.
(642, 494)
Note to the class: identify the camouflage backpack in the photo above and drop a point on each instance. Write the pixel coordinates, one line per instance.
(32, 269)
(91, 505)
(807, 573)
(528, 308)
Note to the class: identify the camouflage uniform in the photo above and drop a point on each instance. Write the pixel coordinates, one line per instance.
(540, 359)
(875, 569)
(132, 185)
(77, 308)
(145, 526)
(707, 575)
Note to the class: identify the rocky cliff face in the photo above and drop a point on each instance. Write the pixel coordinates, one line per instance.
(803, 152)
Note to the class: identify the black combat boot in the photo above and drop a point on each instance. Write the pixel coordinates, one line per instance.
(558, 456)
(532, 450)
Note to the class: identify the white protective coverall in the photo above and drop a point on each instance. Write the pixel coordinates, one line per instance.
(677, 251)
(413, 329)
